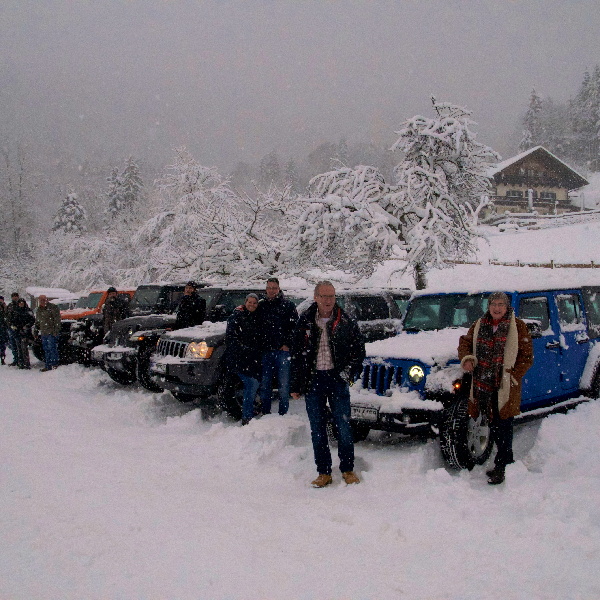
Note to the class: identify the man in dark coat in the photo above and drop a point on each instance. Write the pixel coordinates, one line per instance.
(47, 322)
(278, 316)
(192, 308)
(327, 355)
(116, 308)
(21, 321)
(12, 340)
(3, 331)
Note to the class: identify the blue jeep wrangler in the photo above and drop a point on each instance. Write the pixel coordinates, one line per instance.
(414, 381)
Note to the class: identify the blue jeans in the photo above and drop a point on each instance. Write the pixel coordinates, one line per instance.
(275, 362)
(250, 389)
(328, 386)
(50, 346)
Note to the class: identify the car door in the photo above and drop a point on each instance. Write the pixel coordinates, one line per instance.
(574, 339)
(542, 380)
(373, 315)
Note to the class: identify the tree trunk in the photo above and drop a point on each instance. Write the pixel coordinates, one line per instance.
(420, 275)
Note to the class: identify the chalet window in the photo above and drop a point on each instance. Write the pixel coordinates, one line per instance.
(548, 195)
(514, 194)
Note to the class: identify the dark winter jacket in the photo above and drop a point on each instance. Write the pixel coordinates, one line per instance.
(279, 317)
(243, 339)
(191, 311)
(47, 319)
(345, 341)
(10, 310)
(115, 309)
(3, 324)
(22, 319)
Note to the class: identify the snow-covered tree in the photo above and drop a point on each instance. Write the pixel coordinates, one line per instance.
(532, 126)
(269, 170)
(291, 177)
(71, 216)
(343, 225)
(124, 191)
(442, 183)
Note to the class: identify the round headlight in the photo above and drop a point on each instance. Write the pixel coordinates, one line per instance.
(416, 374)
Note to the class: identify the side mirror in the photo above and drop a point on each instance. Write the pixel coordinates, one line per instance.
(534, 327)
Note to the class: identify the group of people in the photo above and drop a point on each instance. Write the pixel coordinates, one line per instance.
(17, 320)
(318, 354)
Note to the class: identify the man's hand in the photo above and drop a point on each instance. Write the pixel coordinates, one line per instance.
(295, 395)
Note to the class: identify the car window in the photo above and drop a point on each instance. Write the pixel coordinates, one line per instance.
(145, 297)
(428, 313)
(569, 311)
(231, 299)
(401, 302)
(371, 308)
(175, 297)
(90, 301)
(591, 297)
(535, 308)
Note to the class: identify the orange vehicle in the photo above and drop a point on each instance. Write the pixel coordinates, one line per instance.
(90, 305)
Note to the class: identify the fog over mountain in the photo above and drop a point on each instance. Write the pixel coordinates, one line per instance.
(234, 79)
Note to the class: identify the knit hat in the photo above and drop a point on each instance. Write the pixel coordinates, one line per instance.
(111, 289)
(499, 297)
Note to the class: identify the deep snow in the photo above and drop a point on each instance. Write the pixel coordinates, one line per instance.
(113, 492)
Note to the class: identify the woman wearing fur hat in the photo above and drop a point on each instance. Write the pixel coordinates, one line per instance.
(498, 351)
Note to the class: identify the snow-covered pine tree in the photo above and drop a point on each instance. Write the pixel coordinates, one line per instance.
(131, 185)
(114, 194)
(343, 225)
(269, 170)
(71, 216)
(532, 126)
(442, 184)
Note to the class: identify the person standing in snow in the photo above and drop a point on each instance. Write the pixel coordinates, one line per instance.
(21, 321)
(12, 340)
(192, 308)
(498, 351)
(243, 351)
(278, 316)
(47, 322)
(116, 308)
(328, 350)
(3, 331)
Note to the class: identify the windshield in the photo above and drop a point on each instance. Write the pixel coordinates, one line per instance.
(145, 297)
(90, 301)
(427, 313)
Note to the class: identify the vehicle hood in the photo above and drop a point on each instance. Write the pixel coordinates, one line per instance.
(429, 347)
(198, 332)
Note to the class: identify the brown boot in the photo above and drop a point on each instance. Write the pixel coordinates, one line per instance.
(350, 477)
(322, 480)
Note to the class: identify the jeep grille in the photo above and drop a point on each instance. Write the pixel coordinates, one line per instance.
(381, 377)
(172, 348)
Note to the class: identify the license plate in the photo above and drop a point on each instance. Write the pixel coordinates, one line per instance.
(363, 413)
(159, 368)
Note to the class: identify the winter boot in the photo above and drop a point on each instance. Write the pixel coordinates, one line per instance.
(496, 475)
(2, 360)
(350, 477)
(322, 480)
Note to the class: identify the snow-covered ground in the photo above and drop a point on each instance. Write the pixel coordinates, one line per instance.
(109, 492)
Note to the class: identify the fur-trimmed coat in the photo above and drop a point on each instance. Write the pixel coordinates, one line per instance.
(518, 357)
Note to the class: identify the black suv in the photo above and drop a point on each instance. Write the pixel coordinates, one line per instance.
(378, 311)
(125, 352)
(188, 362)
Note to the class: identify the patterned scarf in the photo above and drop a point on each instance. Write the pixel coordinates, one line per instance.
(490, 356)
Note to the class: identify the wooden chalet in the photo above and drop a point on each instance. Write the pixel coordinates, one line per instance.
(534, 181)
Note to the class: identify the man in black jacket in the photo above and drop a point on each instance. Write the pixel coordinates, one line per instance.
(327, 354)
(278, 316)
(192, 308)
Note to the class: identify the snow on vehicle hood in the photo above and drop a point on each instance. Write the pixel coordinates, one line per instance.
(198, 332)
(430, 347)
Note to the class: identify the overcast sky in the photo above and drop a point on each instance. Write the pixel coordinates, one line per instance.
(233, 80)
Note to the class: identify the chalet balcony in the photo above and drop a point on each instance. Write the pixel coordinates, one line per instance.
(527, 181)
(522, 203)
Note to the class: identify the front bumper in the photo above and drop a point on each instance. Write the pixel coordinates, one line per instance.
(191, 377)
(124, 360)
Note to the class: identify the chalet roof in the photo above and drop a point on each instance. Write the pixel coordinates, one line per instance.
(577, 179)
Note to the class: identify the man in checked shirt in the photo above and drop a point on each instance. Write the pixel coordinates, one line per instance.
(327, 355)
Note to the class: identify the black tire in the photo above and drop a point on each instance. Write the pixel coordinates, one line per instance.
(464, 442)
(122, 377)
(230, 396)
(143, 373)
